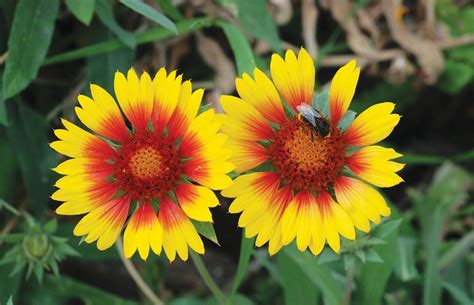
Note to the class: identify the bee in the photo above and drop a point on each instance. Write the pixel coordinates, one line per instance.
(311, 116)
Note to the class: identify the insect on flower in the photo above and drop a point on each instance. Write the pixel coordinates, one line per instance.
(315, 118)
(293, 183)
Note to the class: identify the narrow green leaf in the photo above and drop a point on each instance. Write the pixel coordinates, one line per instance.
(246, 250)
(10, 301)
(206, 229)
(169, 9)
(319, 275)
(101, 68)
(10, 284)
(27, 134)
(155, 34)
(67, 287)
(240, 46)
(456, 251)
(374, 276)
(30, 36)
(105, 13)
(257, 21)
(152, 14)
(458, 294)
(298, 289)
(83, 10)
(405, 267)
(3, 108)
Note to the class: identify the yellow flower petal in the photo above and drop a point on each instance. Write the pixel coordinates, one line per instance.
(372, 125)
(342, 90)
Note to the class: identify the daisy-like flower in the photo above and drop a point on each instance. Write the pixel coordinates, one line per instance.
(155, 167)
(305, 175)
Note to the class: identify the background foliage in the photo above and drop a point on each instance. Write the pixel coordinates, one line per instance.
(419, 54)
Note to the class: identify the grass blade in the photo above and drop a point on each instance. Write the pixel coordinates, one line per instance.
(240, 46)
(83, 10)
(155, 34)
(152, 14)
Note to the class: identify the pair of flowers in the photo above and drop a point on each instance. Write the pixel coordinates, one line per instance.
(153, 171)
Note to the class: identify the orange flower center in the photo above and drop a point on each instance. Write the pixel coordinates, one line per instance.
(145, 163)
(304, 159)
(147, 167)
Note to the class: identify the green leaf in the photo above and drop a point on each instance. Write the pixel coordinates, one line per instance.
(152, 14)
(101, 68)
(65, 288)
(374, 276)
(28, 43)
(105, 13)
(169, 9)
(246, 250)
(3, 108)
(298, 289)
(372, 256)
(27, 134)
(321, 102)
(449, 188)
(242, 52)
(51, 226)
(8, 168)
(257, 21)
(10, 284)
(82, 9)
(405, 267)
(155, 34)
(456, 76)
(206, 229)
(458, 294)
(319, 275)
(10, 301)
(456, 251)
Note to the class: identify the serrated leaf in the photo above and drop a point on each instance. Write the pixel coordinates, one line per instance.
(28, 43)
(206, 229)
(105, 13)
(83, 10)
(152, 14)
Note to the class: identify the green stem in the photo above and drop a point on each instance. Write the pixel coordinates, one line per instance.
(349, 284)
(8, 207)
(246, 250)
(206, 277)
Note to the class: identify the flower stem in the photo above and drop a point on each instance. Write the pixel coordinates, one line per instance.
(135, 275)
(349, 283)
(206, 277)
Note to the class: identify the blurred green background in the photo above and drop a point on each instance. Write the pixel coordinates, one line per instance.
(418, 54)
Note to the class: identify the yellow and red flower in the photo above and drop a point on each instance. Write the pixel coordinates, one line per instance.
(304, 185)
(155, 167)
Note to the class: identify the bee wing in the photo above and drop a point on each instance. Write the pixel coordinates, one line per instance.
(308, 113)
